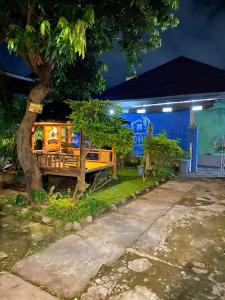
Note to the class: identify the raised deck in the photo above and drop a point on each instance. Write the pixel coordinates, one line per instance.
(67, 162)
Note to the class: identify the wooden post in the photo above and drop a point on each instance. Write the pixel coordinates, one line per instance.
(32, 138)
(69, 134)
(147, 157)
(81, 181)
(44, 138)
(150, 132)
(114, 168)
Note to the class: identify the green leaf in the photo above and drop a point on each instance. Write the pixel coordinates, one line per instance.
(45, 28)
(62, 22)
(30, 29)
(89, 15)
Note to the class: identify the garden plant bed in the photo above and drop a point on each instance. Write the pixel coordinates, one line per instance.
(125, 188)
(38, 227)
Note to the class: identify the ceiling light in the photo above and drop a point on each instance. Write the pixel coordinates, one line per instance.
(198, 107)
(177, 102)
(167, 109)
(111, 111)
(141, 111)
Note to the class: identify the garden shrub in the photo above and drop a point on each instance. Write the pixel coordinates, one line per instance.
(60, 207)
(162, 152)
(66, 209)
(3, 201)
(19, 200)
(90, 205)
(128, 160)
(39, 195)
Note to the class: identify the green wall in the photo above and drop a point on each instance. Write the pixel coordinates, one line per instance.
(211, 123)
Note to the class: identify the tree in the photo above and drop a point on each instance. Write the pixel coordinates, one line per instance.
(100, 124)
(81, 80)
(54, 32)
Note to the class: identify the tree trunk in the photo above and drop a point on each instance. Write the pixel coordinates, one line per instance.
(81, 181)
(26, 157)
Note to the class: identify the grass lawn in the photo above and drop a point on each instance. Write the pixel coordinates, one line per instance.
(127, 183)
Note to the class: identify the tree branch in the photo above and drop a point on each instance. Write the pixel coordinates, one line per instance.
(30, 11)
(30, 57)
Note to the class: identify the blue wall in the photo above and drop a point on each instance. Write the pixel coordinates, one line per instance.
(174, 123)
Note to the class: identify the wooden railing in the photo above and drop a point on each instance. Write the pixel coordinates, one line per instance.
(57, 160)
(99, 155)
(70, 158)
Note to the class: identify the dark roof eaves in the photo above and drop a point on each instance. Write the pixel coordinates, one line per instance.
(186, 96)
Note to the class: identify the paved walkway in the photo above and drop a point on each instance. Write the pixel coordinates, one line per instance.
(14, 288)
(68, 265)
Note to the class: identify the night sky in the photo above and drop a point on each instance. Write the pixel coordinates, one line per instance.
(200, 35)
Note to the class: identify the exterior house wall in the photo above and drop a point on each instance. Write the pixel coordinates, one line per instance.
(174, 123)
(211, 124)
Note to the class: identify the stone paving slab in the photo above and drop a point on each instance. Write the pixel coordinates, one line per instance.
(68, 264)
(14, 288)
(179, 186)
(146, 210)
(155, 236)
(162, 196)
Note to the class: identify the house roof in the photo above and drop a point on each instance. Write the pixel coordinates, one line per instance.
(181, 76)
(16, 83)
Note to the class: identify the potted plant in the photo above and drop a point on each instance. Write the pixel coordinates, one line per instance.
(141, 167)
(185, 163)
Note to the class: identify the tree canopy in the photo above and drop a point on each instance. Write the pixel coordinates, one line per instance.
(41, 31)
(57, 31)
(101, 122)
(81, 80)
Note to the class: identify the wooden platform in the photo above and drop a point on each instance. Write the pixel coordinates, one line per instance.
(67, 164)
(74, 172)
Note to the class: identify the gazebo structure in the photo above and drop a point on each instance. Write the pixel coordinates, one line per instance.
(52, 145)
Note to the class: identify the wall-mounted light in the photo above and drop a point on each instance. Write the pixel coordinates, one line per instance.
(198, 107)
(177, 102)
(141, 111)
(111, 111)
(167, 109)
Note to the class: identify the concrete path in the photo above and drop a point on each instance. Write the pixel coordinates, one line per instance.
(180, 256)
(14, 288)
(67, 265)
